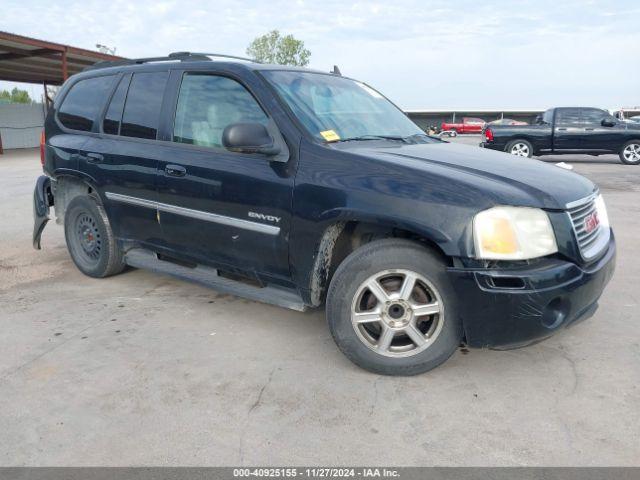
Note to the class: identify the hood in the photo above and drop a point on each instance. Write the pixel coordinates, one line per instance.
(535, 183)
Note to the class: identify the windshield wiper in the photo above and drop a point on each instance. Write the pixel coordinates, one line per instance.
(408, 139)
(362, 138)
(423, 136)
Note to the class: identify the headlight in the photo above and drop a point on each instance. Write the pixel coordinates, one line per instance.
(513, 233)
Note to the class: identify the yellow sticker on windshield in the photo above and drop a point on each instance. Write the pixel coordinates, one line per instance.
(330, 135)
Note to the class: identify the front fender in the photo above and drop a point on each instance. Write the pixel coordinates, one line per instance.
(346, 214)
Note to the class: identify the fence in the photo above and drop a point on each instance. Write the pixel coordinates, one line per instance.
(20, 125)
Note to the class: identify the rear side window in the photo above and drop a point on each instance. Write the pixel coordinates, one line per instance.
(207, 104)
(112, 118)
(569, 116)
(83, 102)
(142, 108)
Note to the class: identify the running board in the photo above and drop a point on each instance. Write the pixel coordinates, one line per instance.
(209, 277)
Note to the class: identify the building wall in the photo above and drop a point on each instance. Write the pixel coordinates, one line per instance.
(21, 124)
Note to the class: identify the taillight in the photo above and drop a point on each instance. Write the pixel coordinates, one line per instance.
(42, 141)
(488, 134)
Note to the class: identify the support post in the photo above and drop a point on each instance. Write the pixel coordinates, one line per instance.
(65, 72)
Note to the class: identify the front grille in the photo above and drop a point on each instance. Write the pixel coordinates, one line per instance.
(590, 241)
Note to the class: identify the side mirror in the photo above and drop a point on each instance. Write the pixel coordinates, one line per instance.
(608, 122)
(249, 138)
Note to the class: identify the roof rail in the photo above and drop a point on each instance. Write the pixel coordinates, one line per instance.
(175, 56)
(220, 55)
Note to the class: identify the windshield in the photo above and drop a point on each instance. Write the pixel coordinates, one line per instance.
(334, 108)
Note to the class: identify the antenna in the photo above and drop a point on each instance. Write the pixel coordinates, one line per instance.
(336, 70)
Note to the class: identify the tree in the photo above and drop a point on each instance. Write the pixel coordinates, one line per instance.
(274, 48)
(15, 96)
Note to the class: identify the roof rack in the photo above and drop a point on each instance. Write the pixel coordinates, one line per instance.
(199, 54)
(172, 57)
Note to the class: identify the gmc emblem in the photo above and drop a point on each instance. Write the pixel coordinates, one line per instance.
(591, 222)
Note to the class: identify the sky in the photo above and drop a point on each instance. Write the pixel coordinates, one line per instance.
(427, 54)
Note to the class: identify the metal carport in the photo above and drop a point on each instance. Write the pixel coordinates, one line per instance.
(24, 59)
(29, 60)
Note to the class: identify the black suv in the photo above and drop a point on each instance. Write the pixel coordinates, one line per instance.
(302, 188)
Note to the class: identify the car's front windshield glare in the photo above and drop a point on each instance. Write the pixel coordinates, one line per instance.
(334, 108)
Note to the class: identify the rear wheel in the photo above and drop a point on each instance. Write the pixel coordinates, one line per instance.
(90, 240)
(391, 310)
(630, 153)
(520, 148)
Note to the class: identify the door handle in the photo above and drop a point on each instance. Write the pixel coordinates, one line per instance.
(562, 129)
(589, 129)
(95, 158)
(175, 170)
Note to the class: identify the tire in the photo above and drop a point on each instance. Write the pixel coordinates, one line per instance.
(90, 240)
(630, 153)
(392, 261)
(524, 148)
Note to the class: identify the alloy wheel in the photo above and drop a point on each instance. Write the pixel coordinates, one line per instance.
(631, 153)
(520, 149)
(397, 313)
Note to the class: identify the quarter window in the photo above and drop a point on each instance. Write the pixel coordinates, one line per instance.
(207, 104)
(142, 108)
(83, 102)
(112, 118)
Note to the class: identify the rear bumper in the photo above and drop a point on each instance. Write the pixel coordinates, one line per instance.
(42, 200)
(492, 146)
(548, 297)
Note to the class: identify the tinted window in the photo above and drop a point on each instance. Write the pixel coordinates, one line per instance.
(568, 116)
(207, 104)
(142, 107)
(548, 117)
(83, 102)
(594, 115)
(111, 123)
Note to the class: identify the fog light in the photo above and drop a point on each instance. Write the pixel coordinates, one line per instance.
(555, 313)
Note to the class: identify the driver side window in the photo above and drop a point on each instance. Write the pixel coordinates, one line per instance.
(207, 104)
(594, 116)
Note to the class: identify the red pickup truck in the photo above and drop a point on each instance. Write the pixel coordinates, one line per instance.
(468, 125)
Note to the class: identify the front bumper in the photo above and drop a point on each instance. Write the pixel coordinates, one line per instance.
(514, 307)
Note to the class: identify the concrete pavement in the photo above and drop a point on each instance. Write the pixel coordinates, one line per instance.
(141, 369)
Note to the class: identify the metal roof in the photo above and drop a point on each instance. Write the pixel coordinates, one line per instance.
(25, 59)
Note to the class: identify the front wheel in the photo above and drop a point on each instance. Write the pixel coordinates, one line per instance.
(391, 309)
(520, 148)
(630, 153)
